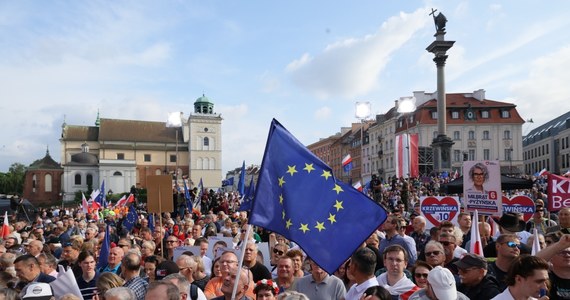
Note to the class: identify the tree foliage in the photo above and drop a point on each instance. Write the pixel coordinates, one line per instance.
(12, 182)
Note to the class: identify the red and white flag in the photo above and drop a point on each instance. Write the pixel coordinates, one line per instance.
(358, 186)
(5, 226)
(455, 175)
(543, 172)
(84, 204)
(407, 164)
(476, 246)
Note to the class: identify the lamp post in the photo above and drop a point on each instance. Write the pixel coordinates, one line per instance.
(363, 110)
(175, 120)
(407, 105)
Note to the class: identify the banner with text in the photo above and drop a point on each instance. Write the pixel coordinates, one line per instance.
(519, 204)
(558, 192)
(438, 209)
(482, 187)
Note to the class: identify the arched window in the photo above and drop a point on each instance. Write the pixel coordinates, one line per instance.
(78, 179)
(212, 163)
(89, 180)
(205, 164)
(117, 173)
(199, 163)
(34, 180)
(48, 183)
(206, 142)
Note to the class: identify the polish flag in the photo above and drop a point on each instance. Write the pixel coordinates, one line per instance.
(567, 173)
(455, 175)
(5, 226)
(535, 243)
(122, 202)
(543, 172)
(358, 186)
(84, 204)
(476, 247)
(407, 164)
(347, 163)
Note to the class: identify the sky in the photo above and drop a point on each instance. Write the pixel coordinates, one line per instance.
(305, 63)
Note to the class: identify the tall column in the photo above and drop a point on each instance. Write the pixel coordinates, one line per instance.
(442, 143)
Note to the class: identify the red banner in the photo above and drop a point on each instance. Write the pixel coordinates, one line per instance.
(558, 192)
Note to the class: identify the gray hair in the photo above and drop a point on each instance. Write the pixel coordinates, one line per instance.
(181, 282)
(437, 244)
(120, 293)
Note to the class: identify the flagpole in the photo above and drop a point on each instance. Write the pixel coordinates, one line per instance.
(160, 222)
(240, 261)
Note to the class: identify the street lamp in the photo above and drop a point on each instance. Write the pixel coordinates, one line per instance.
(363, 110)
(407, 105)
(175, 120)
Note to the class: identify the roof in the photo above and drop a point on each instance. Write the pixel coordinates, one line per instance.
(549, 128)
(80, 133)
(137, 131)
(46, 163)
(203, 99)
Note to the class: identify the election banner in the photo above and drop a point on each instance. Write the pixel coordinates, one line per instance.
(519, 204)
(558, 192)
(482, 187)
(439, 209)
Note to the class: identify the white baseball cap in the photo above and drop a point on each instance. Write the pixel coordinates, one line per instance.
(442, 283)
(38, 291)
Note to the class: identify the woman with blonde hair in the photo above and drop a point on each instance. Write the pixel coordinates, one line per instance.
(107, 281)
(147, 249)
(200, 277)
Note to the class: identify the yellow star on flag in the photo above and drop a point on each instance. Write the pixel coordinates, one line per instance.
(283, 214)
(288, 223)
(291, 169)
(326, 174)
(281, 199)
(308, 168)
(304, 227)
(337, 188)
(281, 181)
(320, 226)
(338, 205)
(332, 218)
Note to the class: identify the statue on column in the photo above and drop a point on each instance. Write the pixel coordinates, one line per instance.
(440, 20)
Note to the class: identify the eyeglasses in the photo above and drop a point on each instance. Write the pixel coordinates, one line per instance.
(170, 242)
(434, 253)
(446, 243)
(540, 210)
(276, 251)
(123, 245)
(228, 262)
(421, 275)
(478, 174)
(512, 244)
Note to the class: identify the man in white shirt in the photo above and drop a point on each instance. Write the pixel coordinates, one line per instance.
(528, 279)
(361, 268)
(394, 279)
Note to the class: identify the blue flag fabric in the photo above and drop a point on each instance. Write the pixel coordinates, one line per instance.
(248, 197)
(187, 197)
(229, 181)
(298, 197)
(105, 249)
(151, 222)
(241, 182)
(131, 219)
(102, 198)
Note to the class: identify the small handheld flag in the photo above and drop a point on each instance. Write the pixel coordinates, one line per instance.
(347, 163)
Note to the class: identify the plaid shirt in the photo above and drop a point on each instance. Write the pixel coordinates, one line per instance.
(138, 286)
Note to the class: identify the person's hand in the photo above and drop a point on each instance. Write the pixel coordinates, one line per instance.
(366, 297)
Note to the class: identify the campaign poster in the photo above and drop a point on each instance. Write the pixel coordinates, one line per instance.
(439, 209)
(482, 187)
(519, 204)
(558, 192)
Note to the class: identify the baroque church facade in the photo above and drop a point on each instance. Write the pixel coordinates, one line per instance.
(123, 153)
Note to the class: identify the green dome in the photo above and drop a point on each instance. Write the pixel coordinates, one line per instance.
(202, 99)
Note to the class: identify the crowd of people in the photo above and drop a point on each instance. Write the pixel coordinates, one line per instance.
(400, 260)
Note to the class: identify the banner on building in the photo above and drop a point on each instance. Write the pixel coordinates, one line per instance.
(407, 164)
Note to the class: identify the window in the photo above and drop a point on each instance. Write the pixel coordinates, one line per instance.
(456, 155)
(508, 154)
(472, 154)
(117, 173)
(120, 156)
(77, 180)
(505, 114)
(34, 181)
(434, 115)
(455, 115)
(173, 158)
(89, 180)
(486, 135)
(507, 134)
(456, 135)
(206, 142)
(471, 134)
(485, 114)
(486, 154)
(147, 157)
(48, 183)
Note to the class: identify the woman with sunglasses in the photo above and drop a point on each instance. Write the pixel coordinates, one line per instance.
(420, 272)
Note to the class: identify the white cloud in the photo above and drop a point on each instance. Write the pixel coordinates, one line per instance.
(323, 113)
(351, 67)
(544, 94)
(269, 83)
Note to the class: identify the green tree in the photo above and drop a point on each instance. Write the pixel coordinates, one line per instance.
(12, 182)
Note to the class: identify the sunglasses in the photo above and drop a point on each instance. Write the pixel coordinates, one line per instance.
(434, 253)
(278, 252)
(512, 244)
(421, 275)
(478, 174)
(446, 243)
(170, 242)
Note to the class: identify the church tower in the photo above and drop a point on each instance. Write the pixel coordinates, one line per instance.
(203, 133)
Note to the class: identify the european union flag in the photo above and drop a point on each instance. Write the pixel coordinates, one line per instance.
(131, 218)
(248, 197)
(241, 182)
(151, 222)
(298, 197)
(105, 249)
(101, 198)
